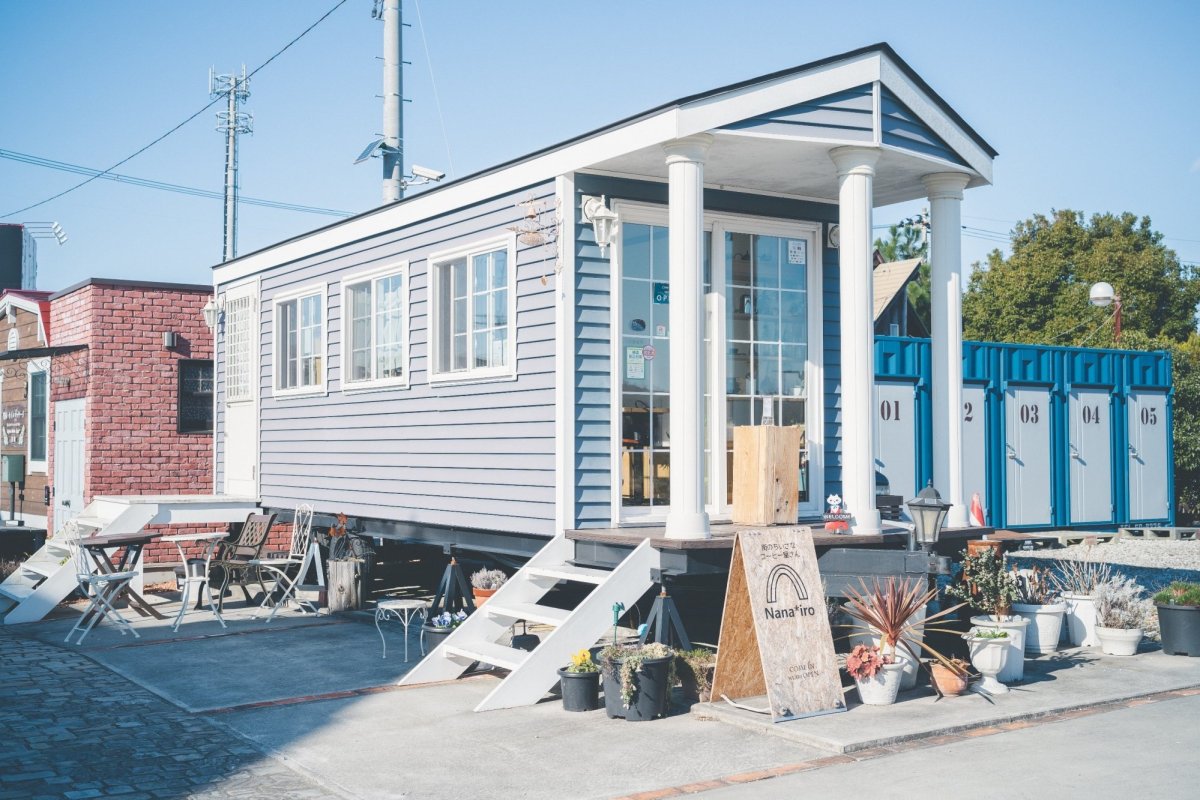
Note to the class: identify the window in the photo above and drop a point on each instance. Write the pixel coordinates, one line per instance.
(300, 343)
(375, 309)
(474, 306)
(240, 323)
(14, 339)
(38, 402)
(195, 396)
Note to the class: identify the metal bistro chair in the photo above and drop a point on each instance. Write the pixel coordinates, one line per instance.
(234, 557)
(289, 570)
(100, 588)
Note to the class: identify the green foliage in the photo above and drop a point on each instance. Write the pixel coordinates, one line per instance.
(1180, 593)
(984, 583)
(904, 242)
(985, 633)
(582, 662)
(628, 659)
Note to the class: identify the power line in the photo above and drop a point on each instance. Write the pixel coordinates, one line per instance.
(437, 99)
(207, 106)
(147, 183)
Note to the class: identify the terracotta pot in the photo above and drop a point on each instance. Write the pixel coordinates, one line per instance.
(481, 595)
(947, 681)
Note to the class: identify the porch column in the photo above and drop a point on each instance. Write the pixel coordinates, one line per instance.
(856, 176)
(945, 268)
(687, 518)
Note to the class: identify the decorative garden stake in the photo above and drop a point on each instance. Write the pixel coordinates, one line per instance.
(617, 609)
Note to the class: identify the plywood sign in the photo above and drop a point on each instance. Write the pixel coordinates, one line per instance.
(775, 635)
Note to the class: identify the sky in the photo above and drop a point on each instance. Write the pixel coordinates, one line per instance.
(1092, 106)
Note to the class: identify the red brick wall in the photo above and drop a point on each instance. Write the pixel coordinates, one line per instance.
(131, 384)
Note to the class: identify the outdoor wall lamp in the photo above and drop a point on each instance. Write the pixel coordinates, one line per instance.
(928, 512)
(603, 220)
(213, 310)
(1102, 295)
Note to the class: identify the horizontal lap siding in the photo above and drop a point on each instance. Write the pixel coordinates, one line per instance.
(902, 128)
(473, 455)
(845, 115)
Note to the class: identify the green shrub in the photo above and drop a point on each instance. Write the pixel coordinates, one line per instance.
(1180, 593)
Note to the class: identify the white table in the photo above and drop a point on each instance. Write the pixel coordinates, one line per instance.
(210, 540)
(404, 610)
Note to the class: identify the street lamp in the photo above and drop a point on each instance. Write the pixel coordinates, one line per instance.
(928, 512)
(1102, 295)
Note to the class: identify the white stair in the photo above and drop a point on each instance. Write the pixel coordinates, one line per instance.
(532, 674)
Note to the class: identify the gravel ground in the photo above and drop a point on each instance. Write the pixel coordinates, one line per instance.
(1151, 562)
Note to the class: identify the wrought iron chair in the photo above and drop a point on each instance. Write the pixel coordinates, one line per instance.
(101, 588)
(234, 557)
(288, 570)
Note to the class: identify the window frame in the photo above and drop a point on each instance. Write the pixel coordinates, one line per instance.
(298, 295)
(372, 276)
(180, 364)
(41, 466)
(435, 261)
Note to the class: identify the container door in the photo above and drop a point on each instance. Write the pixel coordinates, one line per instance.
(1027, 447)
(1148, 454)
(70, 449)
(1089, 455)
(240, 417)
(895, 440)
(974, 445)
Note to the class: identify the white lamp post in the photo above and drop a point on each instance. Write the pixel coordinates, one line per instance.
(928, 512)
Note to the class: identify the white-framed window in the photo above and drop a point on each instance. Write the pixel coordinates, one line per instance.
(473, 306)
(375, 328)
(38, 413)
(241, 325)
(300, 342)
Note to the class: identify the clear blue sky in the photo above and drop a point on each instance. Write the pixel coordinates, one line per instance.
(1092, 106)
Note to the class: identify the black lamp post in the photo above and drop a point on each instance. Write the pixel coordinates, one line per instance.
(928, 512)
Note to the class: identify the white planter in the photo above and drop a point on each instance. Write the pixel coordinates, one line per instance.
(1119, 641)
(1081, 619)
(988, 656)
(1045, 626)
(1014, 665)
(881, 689)
(912, 665)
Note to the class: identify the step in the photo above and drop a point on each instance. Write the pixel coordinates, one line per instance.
(43, 569)
(59, 549)
(530, 612)
(90, 522)
(569, 572)
(489, 653)
(16, 591)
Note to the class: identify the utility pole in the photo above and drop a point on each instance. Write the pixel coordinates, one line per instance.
(393, 102)
(231, 122)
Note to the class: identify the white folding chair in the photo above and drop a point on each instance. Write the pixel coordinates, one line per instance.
(99, 587)
(288, 571)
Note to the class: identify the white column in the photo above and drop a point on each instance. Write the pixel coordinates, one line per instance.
(687, 518)
(856, 175)
(945, 269)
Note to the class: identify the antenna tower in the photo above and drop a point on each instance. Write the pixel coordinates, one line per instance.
(231, 122)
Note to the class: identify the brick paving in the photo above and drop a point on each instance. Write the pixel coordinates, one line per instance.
(71, 729)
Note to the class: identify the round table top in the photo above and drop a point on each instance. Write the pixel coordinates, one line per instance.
(402, 602)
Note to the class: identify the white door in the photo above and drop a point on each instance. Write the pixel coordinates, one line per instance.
(895, 440)
(69, 455)
(1148, 498)
(1027, 450)
(974, 444)
(1089, 455)
(240, 441)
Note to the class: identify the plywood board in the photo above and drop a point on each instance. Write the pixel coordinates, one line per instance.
(774, 600)
(766, 474)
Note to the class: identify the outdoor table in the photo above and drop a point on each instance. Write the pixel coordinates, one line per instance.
(404, 609)
(97, 547)
(210, 540)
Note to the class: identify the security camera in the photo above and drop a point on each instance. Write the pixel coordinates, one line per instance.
(427, 174)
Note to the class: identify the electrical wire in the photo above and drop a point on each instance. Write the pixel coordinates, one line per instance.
(147, 183)
(1099, 328)
(209, 105)
(437, 99)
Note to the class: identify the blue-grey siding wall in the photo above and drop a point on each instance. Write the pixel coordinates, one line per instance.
(474, 455)
(845, 115)
(902, 128)
(593, 332)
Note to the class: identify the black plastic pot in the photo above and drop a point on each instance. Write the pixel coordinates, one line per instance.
(1179, 627)
(651, 691)
(580, 690)
(431, 637)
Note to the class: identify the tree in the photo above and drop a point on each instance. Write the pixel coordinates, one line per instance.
(904, 242)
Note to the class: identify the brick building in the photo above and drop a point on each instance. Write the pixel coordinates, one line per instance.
(24, 383)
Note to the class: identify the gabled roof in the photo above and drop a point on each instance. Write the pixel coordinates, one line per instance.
(890, 278)
(35, 302)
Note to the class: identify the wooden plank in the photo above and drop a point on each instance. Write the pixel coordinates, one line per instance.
(739, 670)
(766, 474)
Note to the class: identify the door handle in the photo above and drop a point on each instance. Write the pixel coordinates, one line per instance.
(1012, 453)
(66, 503)
(1133, 453)
(1074, 452)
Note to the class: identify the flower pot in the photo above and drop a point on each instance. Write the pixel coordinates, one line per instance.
(1179, 627)
(882, 687)
(1119, 641)
(688, 682)
(1081, 619)
(481, 595)
(580, 690)
(1014, 665)
(988, 656)
(947, 681)
(1045, 626)
(650, 690)
(431, 637)
(911, 664)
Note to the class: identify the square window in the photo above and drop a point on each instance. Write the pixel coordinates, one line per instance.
(195, 410)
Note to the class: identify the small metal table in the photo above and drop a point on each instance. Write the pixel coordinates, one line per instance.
(404, 610)
(131, 546)
(210, 540)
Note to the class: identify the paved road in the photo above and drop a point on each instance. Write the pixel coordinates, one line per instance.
(70, 728)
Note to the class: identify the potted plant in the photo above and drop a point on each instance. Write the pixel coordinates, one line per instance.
(437, 628)
(1179, 618)
(637, 680)
(580, 681)
(990, 588)
(876, 674)
(1120, 616)
(695, 668)
(484, 584)
(1076, 580)
(1038, 601)
(990, 648)
(949, 678)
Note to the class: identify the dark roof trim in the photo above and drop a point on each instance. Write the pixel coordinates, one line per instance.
(124, 284)
(41, 352)
(881, 47)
